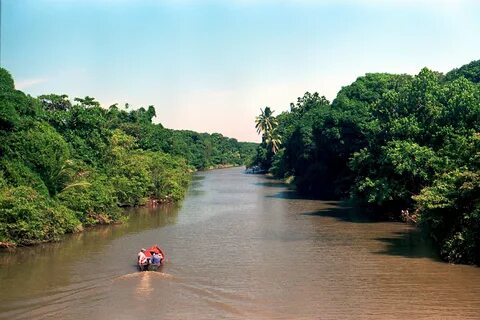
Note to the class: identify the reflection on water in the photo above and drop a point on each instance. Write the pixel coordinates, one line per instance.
(240, 247)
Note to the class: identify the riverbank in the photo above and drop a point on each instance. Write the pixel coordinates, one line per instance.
(67, 164)
(224, 166)
(102, 219)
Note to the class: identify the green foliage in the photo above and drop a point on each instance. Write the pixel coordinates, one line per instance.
(469, 71)
(390, 177)
(26, 217)
(266, 124)
(15, 105)
(55, 102)
(128, 170)
(41, 149)
(16, 173)
(450, 210)
(279, 168)
(201, 150)
(64, 164)
(396, 142)
(6, 81)
(93, 198)
(170, 176)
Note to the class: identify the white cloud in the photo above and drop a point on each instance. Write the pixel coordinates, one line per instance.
(27, 83)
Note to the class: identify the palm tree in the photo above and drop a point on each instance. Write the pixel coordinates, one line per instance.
(272, 139)
(266, 123)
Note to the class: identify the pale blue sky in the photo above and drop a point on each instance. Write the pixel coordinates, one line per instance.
(210, 65)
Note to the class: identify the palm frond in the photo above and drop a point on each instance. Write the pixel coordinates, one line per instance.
(77, 184)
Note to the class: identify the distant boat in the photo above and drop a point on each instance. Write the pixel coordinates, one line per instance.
(255, 169)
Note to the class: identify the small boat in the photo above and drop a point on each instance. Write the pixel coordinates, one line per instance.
(148, 253)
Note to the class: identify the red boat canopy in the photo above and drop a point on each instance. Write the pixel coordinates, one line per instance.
(154, 248)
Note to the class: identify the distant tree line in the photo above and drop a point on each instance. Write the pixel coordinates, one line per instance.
(65, 165)
(406, 144)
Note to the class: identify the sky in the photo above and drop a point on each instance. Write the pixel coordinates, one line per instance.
(210, 66)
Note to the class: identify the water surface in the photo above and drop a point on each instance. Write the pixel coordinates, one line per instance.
(240, 246)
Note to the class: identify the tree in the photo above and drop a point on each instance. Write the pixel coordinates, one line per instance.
(470, 71)
(55, 102)
(27, 217)
(43, 150)
(272, 139)
(64, 165)
(6, 81)
(266, 124)
(87, 102)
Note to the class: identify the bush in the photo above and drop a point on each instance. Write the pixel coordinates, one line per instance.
(27, 217)
(170, 176)
(43, 150)
(18, 174)
(93, 200)
(450, 211)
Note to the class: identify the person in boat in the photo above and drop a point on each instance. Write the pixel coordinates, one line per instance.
(142, 259)
(161, 257)
(156, 260)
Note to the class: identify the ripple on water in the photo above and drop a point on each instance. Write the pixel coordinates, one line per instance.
(241, 247)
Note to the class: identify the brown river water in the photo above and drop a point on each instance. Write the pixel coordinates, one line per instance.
(240, 247)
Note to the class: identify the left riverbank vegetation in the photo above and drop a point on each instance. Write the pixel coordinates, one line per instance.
(65, 165)
(408, 145)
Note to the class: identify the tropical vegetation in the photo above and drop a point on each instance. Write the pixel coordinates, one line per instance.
(409, 145)
(65, 165)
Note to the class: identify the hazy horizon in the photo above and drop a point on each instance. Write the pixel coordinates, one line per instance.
(209, 66)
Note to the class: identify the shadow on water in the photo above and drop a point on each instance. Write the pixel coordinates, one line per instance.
(291, 194)
(271, 184)
(347, 214)
(409, 244)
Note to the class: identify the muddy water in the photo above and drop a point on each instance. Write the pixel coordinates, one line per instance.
(240, 247)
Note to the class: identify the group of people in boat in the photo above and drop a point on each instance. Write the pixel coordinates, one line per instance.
(151, 258)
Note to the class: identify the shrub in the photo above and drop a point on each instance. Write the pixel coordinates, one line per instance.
(27, 217)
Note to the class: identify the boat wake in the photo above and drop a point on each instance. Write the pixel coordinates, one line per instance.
(146, 274)
(146, 279)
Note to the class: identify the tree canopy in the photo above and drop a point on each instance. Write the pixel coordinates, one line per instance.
(395, 142)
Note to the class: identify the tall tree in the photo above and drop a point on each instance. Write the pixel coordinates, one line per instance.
(273, 141)
(266, 124)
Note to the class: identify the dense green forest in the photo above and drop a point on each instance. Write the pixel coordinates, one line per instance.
(407, 145)
(65, 165)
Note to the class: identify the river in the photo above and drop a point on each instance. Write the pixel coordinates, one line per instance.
(240, 247)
